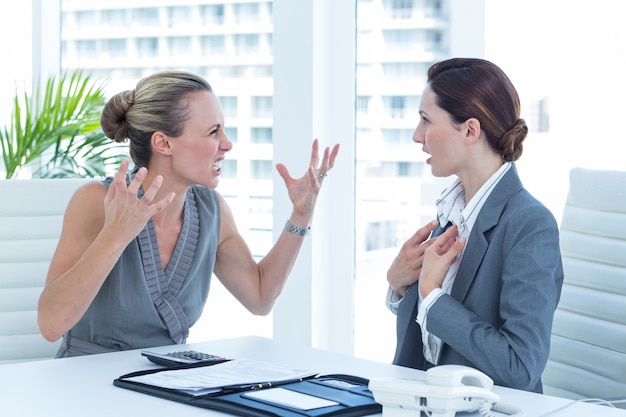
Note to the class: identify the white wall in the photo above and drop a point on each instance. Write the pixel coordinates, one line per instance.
(15, 32)
(20, 24)
(573, 52)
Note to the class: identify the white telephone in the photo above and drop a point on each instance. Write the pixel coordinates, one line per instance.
(447, 389)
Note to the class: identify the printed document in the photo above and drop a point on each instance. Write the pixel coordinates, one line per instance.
(231, 374)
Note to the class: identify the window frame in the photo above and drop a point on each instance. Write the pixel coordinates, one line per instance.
(315, 97)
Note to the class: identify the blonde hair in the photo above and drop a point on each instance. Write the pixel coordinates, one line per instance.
(158, 103)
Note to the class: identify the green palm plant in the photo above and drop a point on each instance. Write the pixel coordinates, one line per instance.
(55, 131)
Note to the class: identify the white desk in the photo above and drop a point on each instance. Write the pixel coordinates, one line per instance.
(83, 386)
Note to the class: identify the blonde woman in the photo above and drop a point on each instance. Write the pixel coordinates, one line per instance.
(134, 262)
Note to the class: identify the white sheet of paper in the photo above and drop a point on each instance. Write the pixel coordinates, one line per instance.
(291, 398)
(235, 372)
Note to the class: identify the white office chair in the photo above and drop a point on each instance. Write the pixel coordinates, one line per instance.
(31, 214)
(588, 346)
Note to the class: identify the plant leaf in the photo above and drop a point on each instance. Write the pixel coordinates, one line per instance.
(55, 131)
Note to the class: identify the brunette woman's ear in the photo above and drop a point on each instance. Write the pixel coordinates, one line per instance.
(471, 129)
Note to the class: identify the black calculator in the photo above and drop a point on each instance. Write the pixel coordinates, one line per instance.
(182, 357)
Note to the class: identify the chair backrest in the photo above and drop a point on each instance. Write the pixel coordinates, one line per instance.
(588, 346)
(31, 215)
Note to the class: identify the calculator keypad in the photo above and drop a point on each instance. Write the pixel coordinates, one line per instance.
(199, 356)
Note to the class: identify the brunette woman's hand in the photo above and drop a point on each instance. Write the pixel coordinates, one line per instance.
(407, 265)
(438, 258)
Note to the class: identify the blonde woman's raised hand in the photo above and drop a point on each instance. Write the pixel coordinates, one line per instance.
(303, 191)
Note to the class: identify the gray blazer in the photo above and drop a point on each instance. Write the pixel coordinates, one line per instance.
(498, 317)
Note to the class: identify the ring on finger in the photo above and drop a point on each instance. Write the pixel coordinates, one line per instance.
(322, 174)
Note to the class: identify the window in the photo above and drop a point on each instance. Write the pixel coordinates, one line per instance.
(115, 18)
(395, 106)
(146, 17)
(401, 9)
(539, 115)
(180, 16)
(389, 179)
(433, 41)
(87, 48)
(261, 218)
(362, 105)
(114, 48)
(229, 106)
(399, 139)
(180, 46)
(231, 133)
(212, 14)
(261, 135)
(400, 39)
(405, 71)
(261, 107)
(229, 168)
(246, 13)
(86, 19)
(406, 169)
(246, 44)
(213, 45)
(261, 170)
(381, 235)
(433, 8)
(147, 47)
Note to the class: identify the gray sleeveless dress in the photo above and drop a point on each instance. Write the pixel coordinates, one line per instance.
(140, 304)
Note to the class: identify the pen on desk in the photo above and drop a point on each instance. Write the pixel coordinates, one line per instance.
(230, 389)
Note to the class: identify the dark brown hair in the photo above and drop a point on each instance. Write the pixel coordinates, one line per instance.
(158, 103)
(476, 88)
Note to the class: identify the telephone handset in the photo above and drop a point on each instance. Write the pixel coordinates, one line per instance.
(447, 389)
